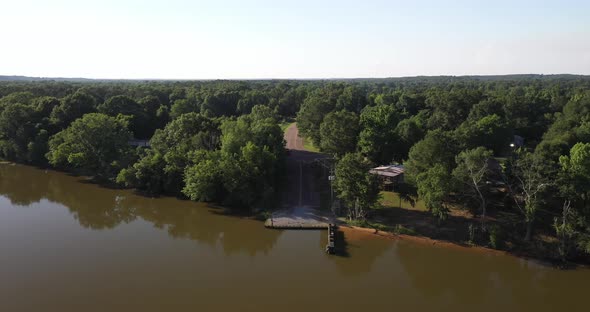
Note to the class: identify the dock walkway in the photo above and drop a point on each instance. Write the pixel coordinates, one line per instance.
(302, 198)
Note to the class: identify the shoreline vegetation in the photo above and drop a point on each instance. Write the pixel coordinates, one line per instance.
(422, 240)
(369, 230)
(308, 145)
(416, 238)
(413, 222)
(498, 161)
(539, 258)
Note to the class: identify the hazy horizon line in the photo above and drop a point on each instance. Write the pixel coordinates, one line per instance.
(282, 78)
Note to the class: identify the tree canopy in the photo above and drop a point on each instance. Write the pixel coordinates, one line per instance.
(358, 189)
(95, 143)
(513, 145)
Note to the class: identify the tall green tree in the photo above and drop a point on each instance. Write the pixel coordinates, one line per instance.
(204, 179)
(95, 143)
(355, 186)
(25, 98)
(450, 108)
(184, 106)
(148, 175)
(73, 107)
(153, 108)
(353, 99)
(378, 138)
(315, 107)
(251, 98)
(491, 132)
(161, 168)
(572, 228)
(409, 131)
(339, 133)
(438, 147)
(471, 174)
(220, 103)
(260, 127)
(45, 105)
(575, 172)
(245, 171)
(17, 129)
(433, 186)
(291, 101)
(251, 176)
(530, 179)
(121, 104)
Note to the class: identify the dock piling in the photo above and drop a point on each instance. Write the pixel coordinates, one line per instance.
(331, 246)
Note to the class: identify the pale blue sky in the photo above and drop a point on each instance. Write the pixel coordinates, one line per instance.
(292, 39)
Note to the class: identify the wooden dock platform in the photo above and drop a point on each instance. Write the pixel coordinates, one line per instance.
(305, 218)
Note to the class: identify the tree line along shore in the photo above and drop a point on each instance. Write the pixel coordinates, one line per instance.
(502, 162)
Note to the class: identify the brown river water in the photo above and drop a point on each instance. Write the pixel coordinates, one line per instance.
(67, 245)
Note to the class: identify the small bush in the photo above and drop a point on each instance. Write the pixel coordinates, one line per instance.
(359, 223)
(400, 229)
(495, 234)
(263, 215)
(472, 232)
(379, 227)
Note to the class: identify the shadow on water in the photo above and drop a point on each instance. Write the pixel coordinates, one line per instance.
(110, 185)
(341, 245)
(356, 253)
(99, 208)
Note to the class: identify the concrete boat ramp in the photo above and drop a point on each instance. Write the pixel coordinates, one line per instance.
(301, 199)
(305, 218)
(302, 217)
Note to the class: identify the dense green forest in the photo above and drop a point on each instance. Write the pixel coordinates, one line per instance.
(519, 144)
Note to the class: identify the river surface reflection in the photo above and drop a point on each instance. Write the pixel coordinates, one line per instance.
(66, 245)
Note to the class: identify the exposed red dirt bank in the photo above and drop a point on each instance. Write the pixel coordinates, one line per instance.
(354, 233)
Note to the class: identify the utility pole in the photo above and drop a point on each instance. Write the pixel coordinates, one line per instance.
(328, 163)
(331, 177)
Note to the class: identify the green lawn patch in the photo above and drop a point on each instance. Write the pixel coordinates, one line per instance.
(285, 124)
(391, 199)
(308, 145)
(400, 229)
(396, 229)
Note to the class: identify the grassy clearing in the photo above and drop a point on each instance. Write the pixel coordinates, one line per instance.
(285, 124)
(400, 229)
(391, 199)
(308, 145)
(396, 229)
(369, 224)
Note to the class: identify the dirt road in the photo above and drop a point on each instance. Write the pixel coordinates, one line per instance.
(301, 191)
(294, 142)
